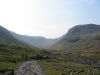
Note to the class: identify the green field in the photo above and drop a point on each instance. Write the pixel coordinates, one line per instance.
(66, 68)
(9, 65)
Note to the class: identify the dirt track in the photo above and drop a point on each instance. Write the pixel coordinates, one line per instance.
(29, 68)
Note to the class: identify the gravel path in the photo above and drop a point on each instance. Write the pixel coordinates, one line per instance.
(29, 68)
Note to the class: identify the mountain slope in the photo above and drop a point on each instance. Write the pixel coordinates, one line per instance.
(81, 37)
(9, 44)
(6, 37)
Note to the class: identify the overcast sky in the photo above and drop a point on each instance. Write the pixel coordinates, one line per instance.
(48, 18)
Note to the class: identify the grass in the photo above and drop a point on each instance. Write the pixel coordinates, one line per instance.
(1, 74)
(63, 67)
(9, 65)
(5, 57)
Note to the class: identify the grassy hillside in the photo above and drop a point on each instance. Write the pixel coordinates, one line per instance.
(82, 37)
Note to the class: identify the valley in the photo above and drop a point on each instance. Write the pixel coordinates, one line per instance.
(75, 53)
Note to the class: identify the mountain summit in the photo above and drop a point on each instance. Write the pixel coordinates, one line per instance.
(84, 29)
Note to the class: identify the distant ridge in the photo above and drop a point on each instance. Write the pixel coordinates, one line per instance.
(37, 41)
(8, 37)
